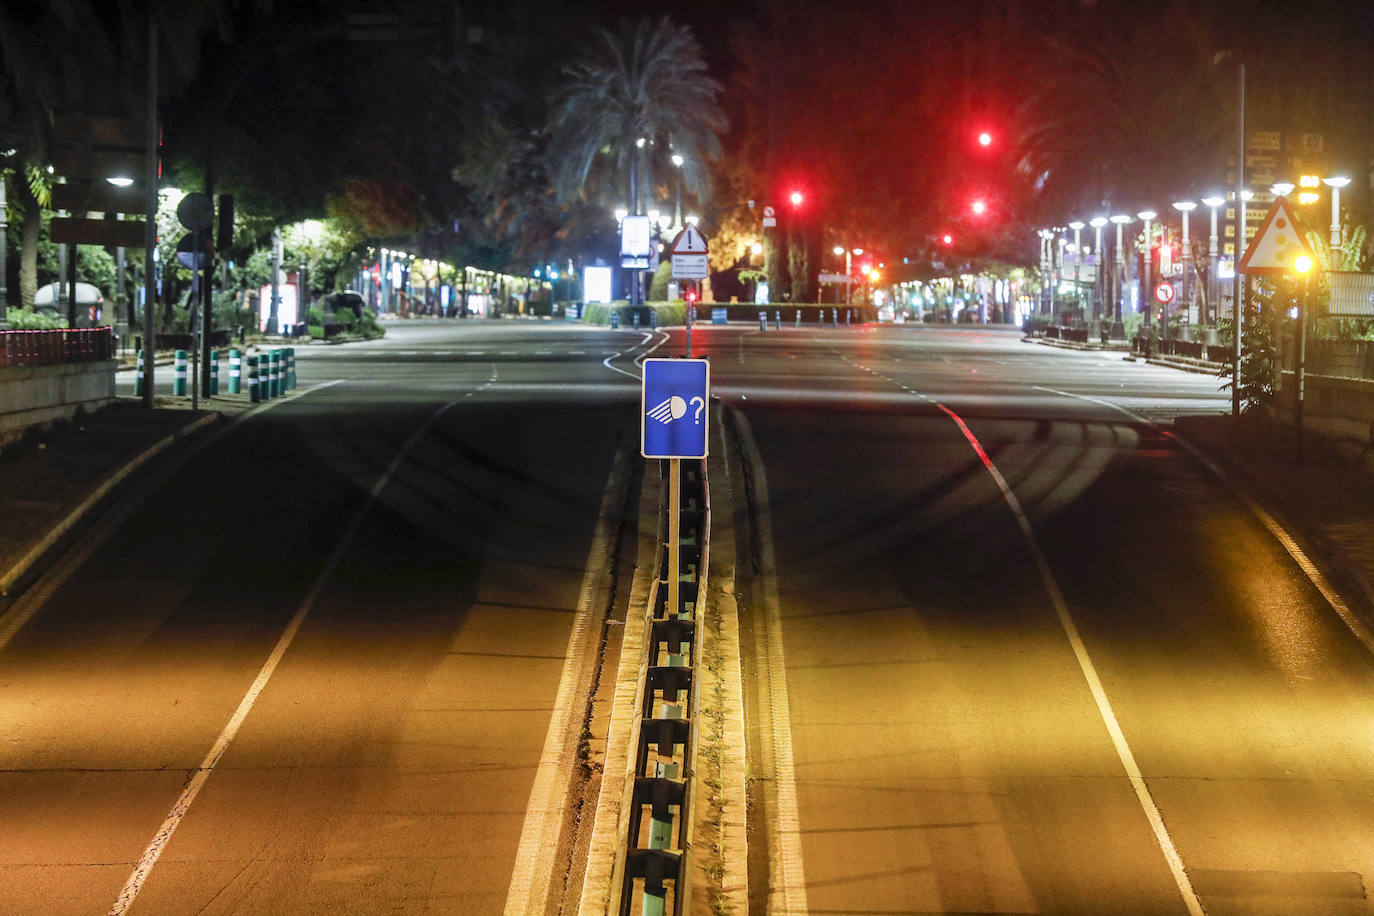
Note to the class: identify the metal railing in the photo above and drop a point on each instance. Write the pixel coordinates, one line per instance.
(657, 849)
(49, 348)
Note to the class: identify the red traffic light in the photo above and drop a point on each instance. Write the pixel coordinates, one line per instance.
(947, 239)
(984, 139)
(978, 206)
(797, 197)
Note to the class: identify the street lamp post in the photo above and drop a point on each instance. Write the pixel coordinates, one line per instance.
(1077, 227)
(1213, 289)
(1146, 283)
(677, 207)
(1186, 207)
(1100, 274)
(1240, 242)
(1118, 326)
(1335, 184)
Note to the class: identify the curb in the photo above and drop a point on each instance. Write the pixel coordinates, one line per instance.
(25, 563)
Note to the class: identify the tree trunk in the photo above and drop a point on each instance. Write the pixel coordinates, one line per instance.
(775, 264)
(28, 241)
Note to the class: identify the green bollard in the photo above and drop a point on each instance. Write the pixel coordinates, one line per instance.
(235, 371)
(290, 367)
(254, 390)
(138, 379)
(214, 372)
(179, 380)
(274, 371)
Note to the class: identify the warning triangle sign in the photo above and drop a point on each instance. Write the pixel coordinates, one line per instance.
(689, 241)
(1278, 241)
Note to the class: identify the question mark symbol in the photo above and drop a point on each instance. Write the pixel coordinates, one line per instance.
(701, 405)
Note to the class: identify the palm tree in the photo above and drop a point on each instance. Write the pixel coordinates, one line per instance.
(639, 97)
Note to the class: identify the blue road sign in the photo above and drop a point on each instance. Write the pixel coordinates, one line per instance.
(674, 404)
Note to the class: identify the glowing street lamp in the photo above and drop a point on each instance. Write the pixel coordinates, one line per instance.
(1119, 219)
(1212, 202)
(1186, 207)
(1097, 222)
(1335, 184)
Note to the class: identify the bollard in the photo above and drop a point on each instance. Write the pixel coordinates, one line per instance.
(834, 317)
(138, 379)
(290, 367)
(615, 320)
(846, 317)
(214, 374)
(254, 391)
(179, 380)
(235, 371)
(763, 321)
(636, 318)
(777, 319)
(274, 372)
(653, 319)
(797, 317)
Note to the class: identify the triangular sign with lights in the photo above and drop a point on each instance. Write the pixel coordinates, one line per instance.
(1278, 241)
(689, 241)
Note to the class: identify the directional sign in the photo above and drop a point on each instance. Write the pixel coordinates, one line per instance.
(1164, 293)
(1278, 241)
(673, 411)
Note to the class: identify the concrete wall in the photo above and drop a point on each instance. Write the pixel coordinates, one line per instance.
(38, 395)
(1342, 408)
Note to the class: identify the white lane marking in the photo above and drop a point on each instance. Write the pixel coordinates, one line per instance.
(639, 360)
(543, 353)
(787, 881)
(535, 859)
(202, 773)
(1085, 664)
(577, 352)
(1281, 534)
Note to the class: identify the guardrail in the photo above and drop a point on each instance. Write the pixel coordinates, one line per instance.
(47, 348)
(656, 867)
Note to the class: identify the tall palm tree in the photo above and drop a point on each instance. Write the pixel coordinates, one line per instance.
(638, 98)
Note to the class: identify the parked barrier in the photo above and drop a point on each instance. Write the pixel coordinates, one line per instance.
(254, 383)
(291, 367)
(235, 371)
(179, 374)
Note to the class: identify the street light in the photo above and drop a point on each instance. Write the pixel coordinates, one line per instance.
(1097, 222)
(677, 207)
(1120, 219)
(1282, 188)
(1335, 184)
(1144, 284)
(1186, 207)
(1077, 227)
(1213, 290)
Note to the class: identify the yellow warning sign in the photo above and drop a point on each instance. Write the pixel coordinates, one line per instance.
(1277, 242)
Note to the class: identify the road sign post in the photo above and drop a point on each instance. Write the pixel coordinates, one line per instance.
(673, 424)
(688, 253)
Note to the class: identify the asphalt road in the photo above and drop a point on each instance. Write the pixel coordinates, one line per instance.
(385, 570)
(1108, 689)
(1031, 655)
